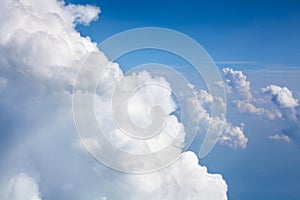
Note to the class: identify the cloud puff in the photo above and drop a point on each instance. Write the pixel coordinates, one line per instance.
(228, 134)
(279, 137)
(233, 136)
(24, 187)
(288, 106)
(242, 98)
(40, 52)
(283, 98)
(249, 107)
(237, 82)
(83, 14)
(185, 179)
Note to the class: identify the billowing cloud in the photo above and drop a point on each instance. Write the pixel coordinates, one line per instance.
(40, 52)
(286, 106)
(289, 108)
(240, 94)
(229, 135)
(237, 82)
(185, 179)
(283, 98)
(83, 14)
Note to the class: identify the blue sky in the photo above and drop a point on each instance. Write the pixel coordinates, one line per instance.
(255, 45)
(263, 32)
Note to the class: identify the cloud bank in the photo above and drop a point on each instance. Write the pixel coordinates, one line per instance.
(40, 52)
(285, 106)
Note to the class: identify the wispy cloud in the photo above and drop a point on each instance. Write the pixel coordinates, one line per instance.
(258, 65)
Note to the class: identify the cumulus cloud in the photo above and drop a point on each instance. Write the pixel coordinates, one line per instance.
(83, 14)
(244, 107)
(183, 180)
(237, 82)
(281, 96)
(249, 107)
(228, 134)
(238, 88)
(288, 106)
(40, 52)
(233, 136)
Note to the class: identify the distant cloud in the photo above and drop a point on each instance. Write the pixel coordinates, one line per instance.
(237, 82)
(246, 107)
(229, 134)
(286, 105)
(279, 137)
(241, 97)
(281, 96)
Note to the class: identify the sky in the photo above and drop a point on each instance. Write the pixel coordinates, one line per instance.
(264, 33)
(52, 52)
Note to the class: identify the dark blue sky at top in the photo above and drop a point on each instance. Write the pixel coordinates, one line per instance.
(263, 32)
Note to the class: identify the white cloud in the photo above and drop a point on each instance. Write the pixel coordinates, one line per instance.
(83, 14)
(247, 107)
(244, 107)
(24, 187)
(229, 135)
(185, 179)
(40, 54)
(279, 137)
(281, 96)
(237, 82)
(44, 43)
(238, 88)
(233, 136)
(289, 108)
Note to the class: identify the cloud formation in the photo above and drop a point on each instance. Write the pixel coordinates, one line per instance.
(237, 82)
(239, 90)
(230, 135)
(286, 107)
(226, 133)
(289, 108)
(40, 52)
